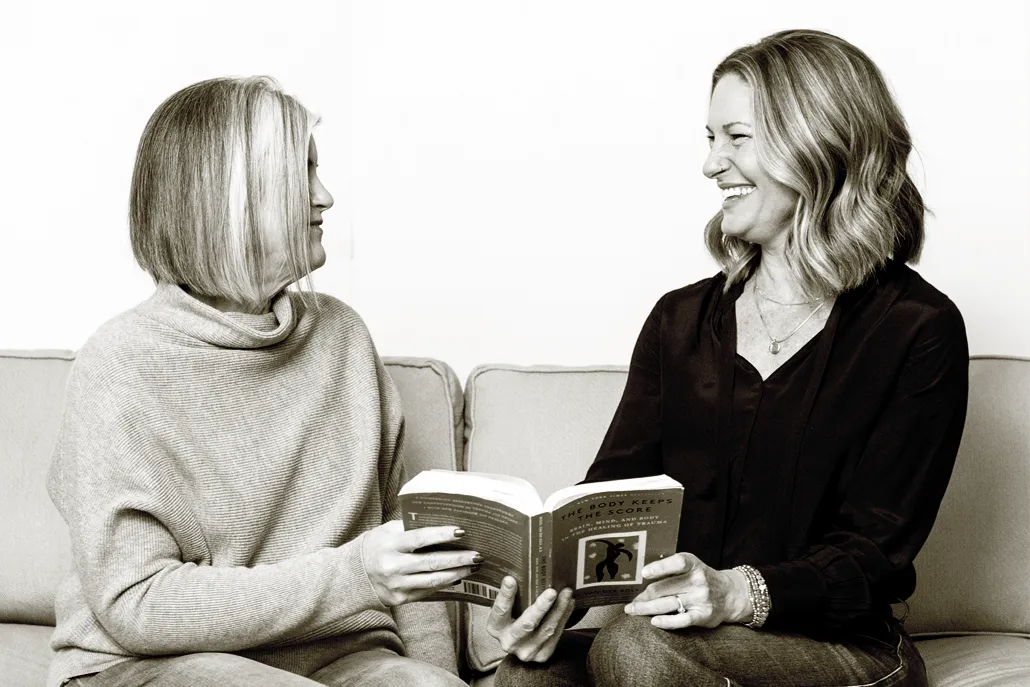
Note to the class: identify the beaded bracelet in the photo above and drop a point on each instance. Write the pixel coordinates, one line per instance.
(758, 594)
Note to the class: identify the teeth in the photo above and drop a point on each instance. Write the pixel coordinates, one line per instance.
(737, 191)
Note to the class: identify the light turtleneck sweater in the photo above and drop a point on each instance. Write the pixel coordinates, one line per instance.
(217, 471)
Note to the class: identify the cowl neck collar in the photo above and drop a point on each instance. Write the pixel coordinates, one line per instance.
(177, 309)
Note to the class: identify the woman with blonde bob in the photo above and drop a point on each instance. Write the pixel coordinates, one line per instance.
(229, 456)
(810, 397)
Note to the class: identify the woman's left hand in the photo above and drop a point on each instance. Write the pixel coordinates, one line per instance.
(711, 597)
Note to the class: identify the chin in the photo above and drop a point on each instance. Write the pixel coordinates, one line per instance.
(317, 256)
(735, 229)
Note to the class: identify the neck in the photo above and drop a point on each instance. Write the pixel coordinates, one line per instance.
(775, 279)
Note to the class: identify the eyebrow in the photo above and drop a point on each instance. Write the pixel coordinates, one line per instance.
(726, 126)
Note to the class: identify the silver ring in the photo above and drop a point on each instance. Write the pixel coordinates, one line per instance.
(679, 602)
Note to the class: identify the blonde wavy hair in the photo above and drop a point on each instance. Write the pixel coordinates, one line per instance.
(826, 126)
(221, 165)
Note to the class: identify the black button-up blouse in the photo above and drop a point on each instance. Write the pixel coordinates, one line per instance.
(828, 475)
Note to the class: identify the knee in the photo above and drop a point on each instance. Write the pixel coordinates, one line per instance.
(567, 666)
(412, 672)
(514, 673)
(627, 651)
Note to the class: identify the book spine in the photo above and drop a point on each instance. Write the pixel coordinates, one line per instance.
(540, 556)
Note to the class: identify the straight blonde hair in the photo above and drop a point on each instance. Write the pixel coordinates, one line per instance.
(826, 126)
(221, 165)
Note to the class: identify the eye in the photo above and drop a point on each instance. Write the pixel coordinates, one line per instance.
(711, 140)
(739, 138)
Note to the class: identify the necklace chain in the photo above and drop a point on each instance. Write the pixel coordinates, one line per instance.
(774, 343)
(773, 300)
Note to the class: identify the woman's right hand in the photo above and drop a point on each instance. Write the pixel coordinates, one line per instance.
(399, 573)
(534, 636)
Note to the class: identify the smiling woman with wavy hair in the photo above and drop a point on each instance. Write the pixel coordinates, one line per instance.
(810, 398)
(827, 127)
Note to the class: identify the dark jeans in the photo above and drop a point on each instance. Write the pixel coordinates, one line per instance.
(631, 651)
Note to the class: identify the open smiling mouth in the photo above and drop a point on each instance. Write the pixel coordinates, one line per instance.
(735, 194)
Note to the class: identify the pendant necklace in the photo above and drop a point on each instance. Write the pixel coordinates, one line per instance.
(774, 343)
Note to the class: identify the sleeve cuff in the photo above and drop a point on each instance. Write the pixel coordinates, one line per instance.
(823, 590)
(354, 580)
(794, 588)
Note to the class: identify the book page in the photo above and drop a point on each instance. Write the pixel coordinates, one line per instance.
(601, 541)
(563, 496)
(513, 492)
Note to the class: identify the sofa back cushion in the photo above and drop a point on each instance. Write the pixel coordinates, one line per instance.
(434, 422)
(974, 571)
(34, 545)
(543, 424)
(434, 427)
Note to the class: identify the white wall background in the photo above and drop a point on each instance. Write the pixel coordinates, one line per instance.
(515, 181)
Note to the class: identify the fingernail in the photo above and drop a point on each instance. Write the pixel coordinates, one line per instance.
(628, 608)
(478, 559)
(475, 568)
(459, 533)
(508, 582)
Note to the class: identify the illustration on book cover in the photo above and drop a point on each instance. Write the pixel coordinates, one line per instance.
(611, 559)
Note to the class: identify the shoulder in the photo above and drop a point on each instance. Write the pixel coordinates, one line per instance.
(330, 316)
(928, 299)
(690, 305)
(114, 351)
(917, 305)
(683, 312)
(106, 383)
(693, 297)
(899, 317)
(332, 306)
(333, 336)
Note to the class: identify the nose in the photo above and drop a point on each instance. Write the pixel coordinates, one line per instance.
(320, 196)
(715, 164)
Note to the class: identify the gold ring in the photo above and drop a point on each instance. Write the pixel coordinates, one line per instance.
(679, 602)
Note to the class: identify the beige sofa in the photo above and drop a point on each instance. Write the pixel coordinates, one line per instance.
(971, 610)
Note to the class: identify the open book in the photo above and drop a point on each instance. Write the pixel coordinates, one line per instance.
(594, 538)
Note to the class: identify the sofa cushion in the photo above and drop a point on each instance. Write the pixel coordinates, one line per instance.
(541, 423)
(974, 571)
(34, 545)
(976, 661)
(25, 655)
(434, 422)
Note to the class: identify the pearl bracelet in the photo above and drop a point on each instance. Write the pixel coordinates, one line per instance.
(758, 594)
